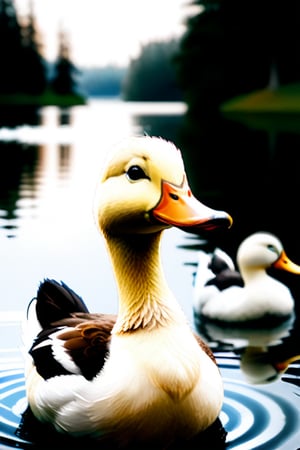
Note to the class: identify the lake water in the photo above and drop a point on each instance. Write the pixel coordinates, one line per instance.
(48, 174)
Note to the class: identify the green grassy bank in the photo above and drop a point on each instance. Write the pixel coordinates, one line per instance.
(285, 99)
(48, 98)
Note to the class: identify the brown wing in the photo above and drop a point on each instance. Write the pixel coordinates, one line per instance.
(87, 340)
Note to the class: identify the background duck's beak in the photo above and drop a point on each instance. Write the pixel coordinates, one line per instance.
(282, 366)
(284, 263)
(178, 207)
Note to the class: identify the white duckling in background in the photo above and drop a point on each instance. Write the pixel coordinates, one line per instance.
(224, 294)
(142, 376)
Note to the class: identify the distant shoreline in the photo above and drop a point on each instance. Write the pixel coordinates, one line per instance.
(48, 98)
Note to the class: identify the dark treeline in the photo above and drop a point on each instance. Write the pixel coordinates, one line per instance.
(151, 76)
(23, 68)
(233, 47)
(230, 47)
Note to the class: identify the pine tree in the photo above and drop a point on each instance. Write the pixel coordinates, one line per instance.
(10, 49)
(34, 72)
(64, 82)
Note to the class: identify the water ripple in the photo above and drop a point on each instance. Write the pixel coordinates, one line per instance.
(256, 417)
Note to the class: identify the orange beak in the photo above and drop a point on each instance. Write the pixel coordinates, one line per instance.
(284, 263)
(283, 365)
(178, 207)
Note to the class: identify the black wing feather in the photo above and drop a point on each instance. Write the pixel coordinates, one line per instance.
(225, 276)
(56, 301)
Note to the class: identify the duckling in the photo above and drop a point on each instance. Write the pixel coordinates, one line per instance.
(141, 376)
(222, 293)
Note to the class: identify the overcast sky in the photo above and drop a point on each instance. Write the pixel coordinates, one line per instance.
(106, 31)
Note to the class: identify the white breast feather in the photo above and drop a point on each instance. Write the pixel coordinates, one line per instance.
(167, 386)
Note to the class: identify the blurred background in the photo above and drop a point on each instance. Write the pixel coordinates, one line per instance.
(220, 78)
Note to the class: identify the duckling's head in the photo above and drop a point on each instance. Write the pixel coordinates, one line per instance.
(259, 249)
(144, 189)
(264, 250)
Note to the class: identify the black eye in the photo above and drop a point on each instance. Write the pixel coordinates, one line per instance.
(174, 196)
(136, 173)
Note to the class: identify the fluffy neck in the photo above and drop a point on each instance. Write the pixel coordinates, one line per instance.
(145, 300)
(254, 273)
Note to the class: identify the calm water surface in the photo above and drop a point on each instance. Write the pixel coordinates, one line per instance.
(48, 176)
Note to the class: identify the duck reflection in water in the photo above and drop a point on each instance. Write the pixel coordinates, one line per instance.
(264, 354)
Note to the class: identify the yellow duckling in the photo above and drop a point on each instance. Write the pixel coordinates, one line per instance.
(141, 377)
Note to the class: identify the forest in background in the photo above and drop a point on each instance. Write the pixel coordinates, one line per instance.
(229, 48)
(60, 82)
(21, 53)
(150, 76)
(234, 47)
